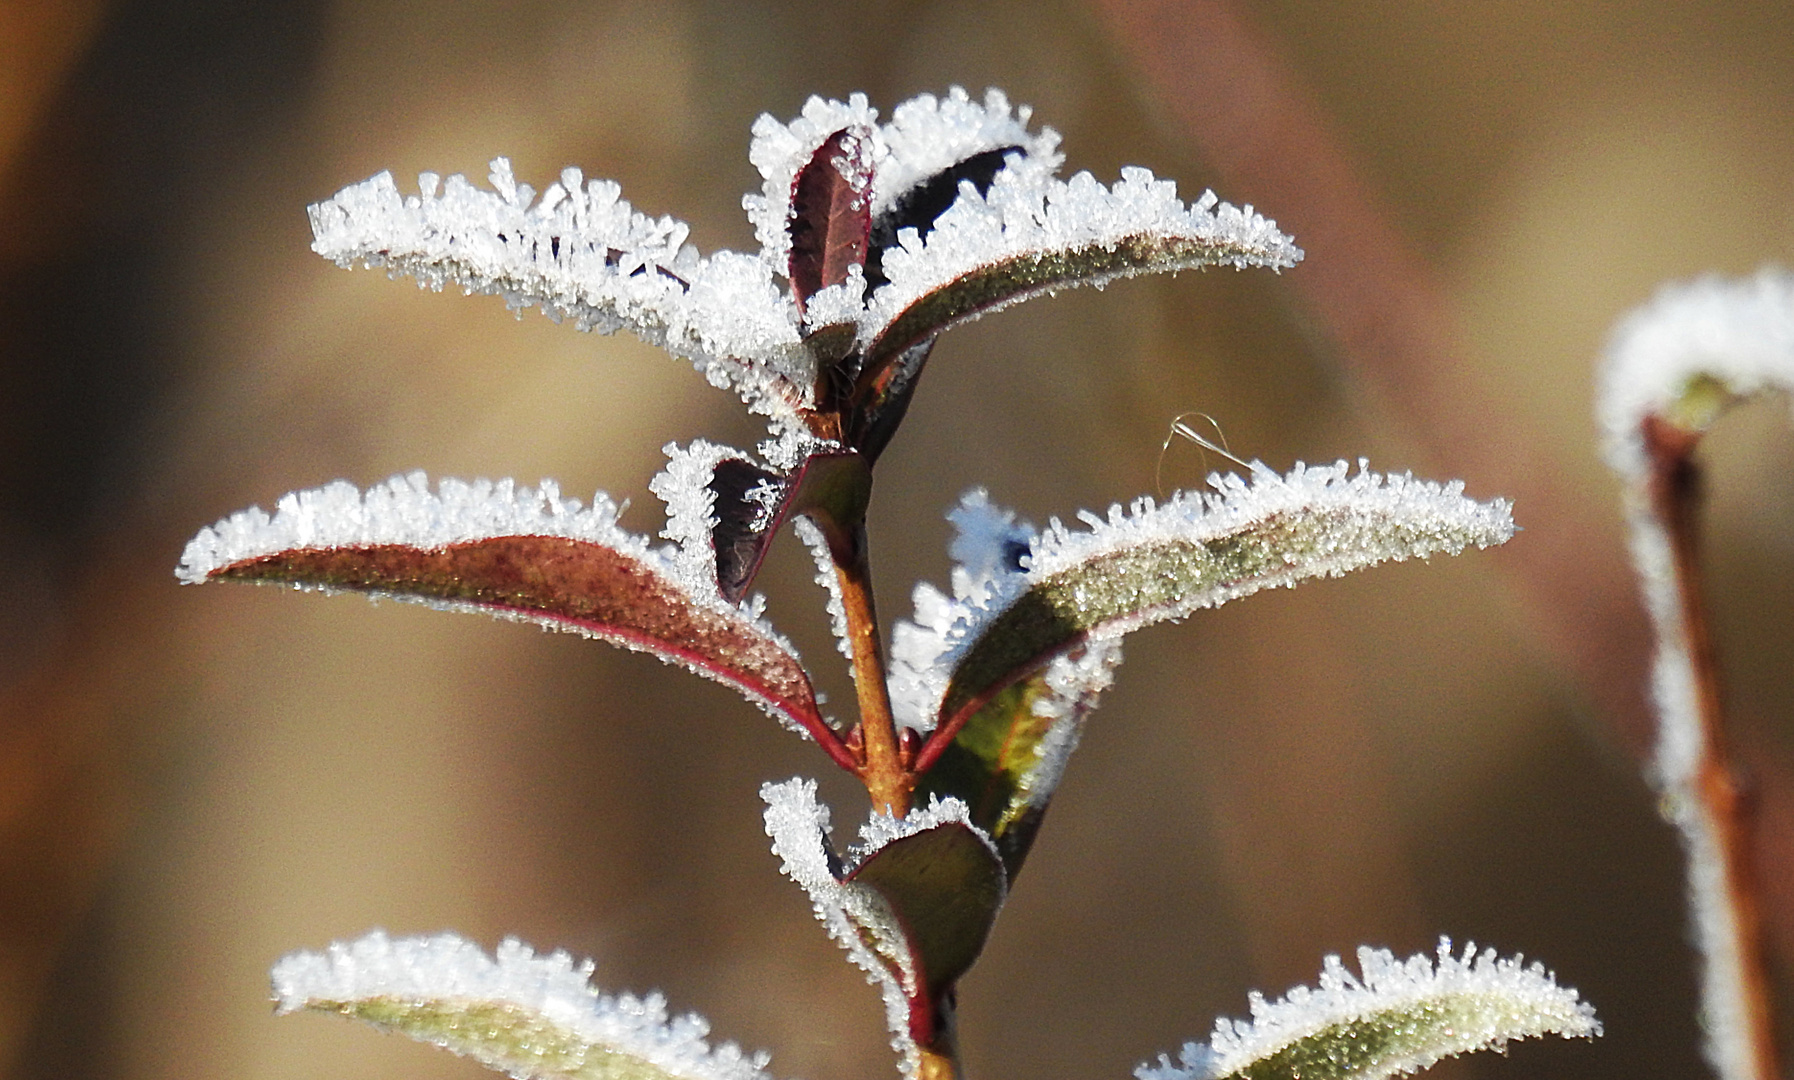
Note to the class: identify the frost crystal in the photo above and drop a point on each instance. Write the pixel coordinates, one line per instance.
(1397, 1017)
(470, 547)
(966, 217)
(857, 917)
(826, 576)
(1152, 562)
(1034, 222)
(1073, 683)
(529, 1015)
(580, 252)
(404, 511)
(684, 486)
(1681, 360)
(1695, 345)
(988, 544)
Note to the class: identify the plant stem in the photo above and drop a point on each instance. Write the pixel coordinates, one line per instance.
(886, 780)
(938, 1063)
(1675, 497)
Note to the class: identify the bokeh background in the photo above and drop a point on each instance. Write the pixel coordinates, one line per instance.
(194, 781)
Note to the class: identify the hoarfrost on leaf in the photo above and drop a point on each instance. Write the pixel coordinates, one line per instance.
(581, 252)
(912, 918)
(1151, 562)
(527, 1015)
(1396, 1017)
(514, 553)
(1692, 350)
(1032, 233)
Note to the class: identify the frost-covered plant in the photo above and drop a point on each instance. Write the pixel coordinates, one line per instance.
(1673, 367)
(874, 238)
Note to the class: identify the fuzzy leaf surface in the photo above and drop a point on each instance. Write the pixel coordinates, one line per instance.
(525, 1015)
(1396, 1017)
(1152, 563)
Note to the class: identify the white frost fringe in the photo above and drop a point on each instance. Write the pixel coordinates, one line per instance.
(1352, 520)
(448, 971)
(404, 511)
(1740, 334)
(580, 251)
(1451, 1005)
(856, 916)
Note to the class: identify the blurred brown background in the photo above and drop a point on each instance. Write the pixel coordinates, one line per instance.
(193, 781)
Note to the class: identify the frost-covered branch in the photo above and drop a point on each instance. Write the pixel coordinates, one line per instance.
(1395, 1017)
(1671, 369)
(529, 1016)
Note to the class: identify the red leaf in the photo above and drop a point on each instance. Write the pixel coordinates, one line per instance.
(831, 213)
(572, 585)
(831, 488)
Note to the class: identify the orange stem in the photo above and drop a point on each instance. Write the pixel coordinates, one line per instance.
(1675, 491)
(882, 771)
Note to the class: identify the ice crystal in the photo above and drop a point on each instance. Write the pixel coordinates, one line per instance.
(1396, 1017)
(404, 511)
(856, 916)
(1152, 562)
(1006, 231)
(528, 1015)
(1680, 361)
(466, 547)
(580, 252)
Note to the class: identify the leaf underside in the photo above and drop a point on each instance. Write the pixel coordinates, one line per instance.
(741, 535)
(568, 584)
(945, 887)
(1130, 584)
(500, 1036)
(832, 488)
(831, 215)
(1007, 281)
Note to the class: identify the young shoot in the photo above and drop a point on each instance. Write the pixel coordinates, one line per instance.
(875, 236)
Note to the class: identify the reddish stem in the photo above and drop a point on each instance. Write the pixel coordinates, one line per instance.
(1675, 493)
(882, 771)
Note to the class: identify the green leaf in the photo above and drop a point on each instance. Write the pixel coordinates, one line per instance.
(912, 907)
(1007, 759)
(1156, 563)
(1397, 1017)
(944, 886)
(524, 1015)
